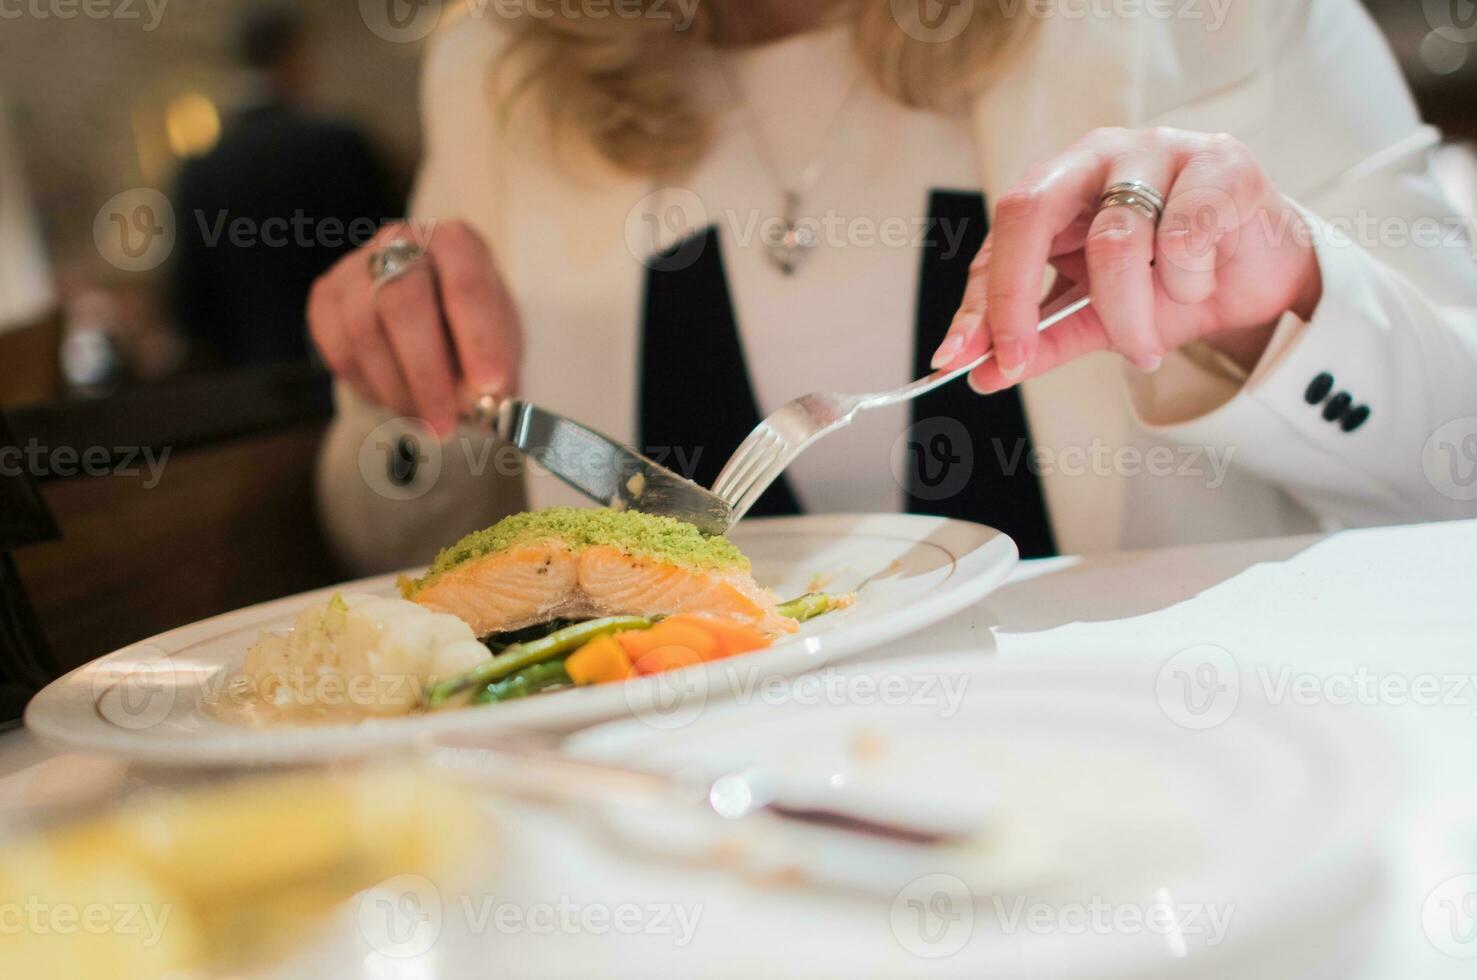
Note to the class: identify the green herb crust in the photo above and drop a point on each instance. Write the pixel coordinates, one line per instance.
(661, 539)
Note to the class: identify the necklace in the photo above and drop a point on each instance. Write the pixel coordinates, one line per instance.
(790, 239)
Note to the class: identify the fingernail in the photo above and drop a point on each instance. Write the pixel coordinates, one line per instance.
(495, 383)
(948, 350)
(1148, 363)
(1011, 356)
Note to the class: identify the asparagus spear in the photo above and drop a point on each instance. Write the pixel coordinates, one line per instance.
(814, 604)
(522, 655)
(529, 680)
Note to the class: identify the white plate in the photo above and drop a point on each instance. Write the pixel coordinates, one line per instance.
(1266, 822)
(150, 701)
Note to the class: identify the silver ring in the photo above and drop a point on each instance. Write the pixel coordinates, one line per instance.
(1135, 195)
(392, 260)
(1137, 187)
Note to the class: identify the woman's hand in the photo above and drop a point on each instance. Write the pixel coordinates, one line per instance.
(428, 342)
(1229, 258)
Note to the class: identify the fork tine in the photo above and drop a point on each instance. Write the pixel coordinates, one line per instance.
(753, 451)
(739, 457)
(761, 455)
(762, 482)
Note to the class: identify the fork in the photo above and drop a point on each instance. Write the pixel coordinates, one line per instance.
(790, 429)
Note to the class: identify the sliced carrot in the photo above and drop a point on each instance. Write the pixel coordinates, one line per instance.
(683, 640)
(600, 661)
(733, 636)
(638, 643)
(667, 633)
(665, 658)
(694, 636)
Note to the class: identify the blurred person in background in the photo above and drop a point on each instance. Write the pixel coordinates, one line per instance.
(279, 198)
(621, 205)
(28, 296)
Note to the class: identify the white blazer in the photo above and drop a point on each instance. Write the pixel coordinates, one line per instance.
(1190, 454)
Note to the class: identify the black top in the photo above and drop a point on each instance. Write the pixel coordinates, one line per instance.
(967, 455)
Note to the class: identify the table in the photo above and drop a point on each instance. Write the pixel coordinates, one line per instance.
(1396, 606)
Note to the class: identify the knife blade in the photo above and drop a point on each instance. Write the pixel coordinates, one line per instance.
(599, 467)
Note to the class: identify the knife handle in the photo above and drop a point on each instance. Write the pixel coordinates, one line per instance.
(485, 411)
(497, 415)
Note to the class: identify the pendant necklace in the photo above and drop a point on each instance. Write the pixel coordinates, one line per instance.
(789, 240)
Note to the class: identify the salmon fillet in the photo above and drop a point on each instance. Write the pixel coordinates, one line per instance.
(529, 584)
(583, 564)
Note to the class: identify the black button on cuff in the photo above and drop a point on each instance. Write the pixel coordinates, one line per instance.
(1354, 418)
(1319, 388)
(1337, 406)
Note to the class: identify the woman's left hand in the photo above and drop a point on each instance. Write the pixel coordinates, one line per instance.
(1230, 256)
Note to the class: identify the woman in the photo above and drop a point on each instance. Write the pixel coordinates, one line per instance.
(667, 232)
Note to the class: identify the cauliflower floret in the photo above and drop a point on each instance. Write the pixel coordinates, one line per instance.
(370, 655)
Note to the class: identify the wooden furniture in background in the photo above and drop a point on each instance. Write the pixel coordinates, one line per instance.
(225, 527)
(30, 364)
(230, 521)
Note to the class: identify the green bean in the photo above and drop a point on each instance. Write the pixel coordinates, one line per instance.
(814, 604)
(529, 680)
(522, 655)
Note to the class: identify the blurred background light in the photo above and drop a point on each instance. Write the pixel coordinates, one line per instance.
(1443, 56)
(192, 124)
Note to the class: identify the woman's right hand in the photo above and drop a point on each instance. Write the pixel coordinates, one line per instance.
(429, 342)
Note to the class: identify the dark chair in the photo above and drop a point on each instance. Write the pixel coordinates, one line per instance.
(26, 664)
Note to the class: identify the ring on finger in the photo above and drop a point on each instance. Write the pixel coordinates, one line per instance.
(1136, 196)
(392, 260)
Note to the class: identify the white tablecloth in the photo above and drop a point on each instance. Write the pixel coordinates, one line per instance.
(1385, 603)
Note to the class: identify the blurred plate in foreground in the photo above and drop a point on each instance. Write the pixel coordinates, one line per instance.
(1125, 830)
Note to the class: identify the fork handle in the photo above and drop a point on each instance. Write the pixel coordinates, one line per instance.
(1067, 305)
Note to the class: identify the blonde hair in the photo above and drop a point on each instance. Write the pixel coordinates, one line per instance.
(623, 83)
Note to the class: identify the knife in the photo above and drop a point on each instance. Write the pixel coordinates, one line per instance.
(598, 466)
(518, 768)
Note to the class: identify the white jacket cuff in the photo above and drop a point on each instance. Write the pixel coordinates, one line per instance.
(1322, 413)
